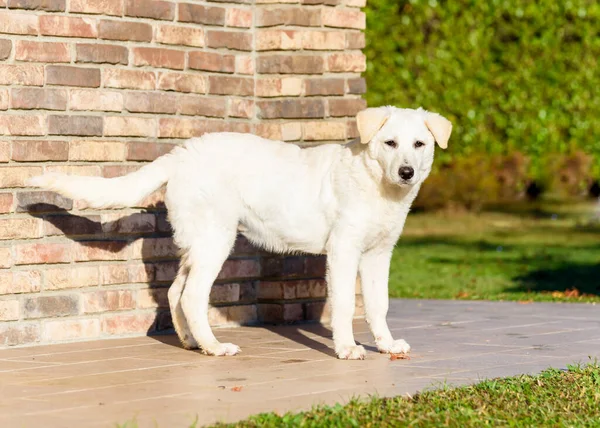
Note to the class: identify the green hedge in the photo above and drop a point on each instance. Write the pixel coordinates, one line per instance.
(511, 75)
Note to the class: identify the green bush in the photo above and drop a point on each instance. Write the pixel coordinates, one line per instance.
(512, 75)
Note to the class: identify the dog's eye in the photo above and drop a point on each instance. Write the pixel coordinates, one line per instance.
(391, 143)
(419, 144)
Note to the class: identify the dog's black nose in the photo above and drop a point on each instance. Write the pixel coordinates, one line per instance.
(406, 172)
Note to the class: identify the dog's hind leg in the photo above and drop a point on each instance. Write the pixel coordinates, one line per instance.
(177, 315)
(206, 256)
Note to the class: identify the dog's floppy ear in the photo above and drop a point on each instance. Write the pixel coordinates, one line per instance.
(370, 121)
(440, 127)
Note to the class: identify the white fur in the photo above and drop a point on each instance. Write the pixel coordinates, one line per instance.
(348, 202)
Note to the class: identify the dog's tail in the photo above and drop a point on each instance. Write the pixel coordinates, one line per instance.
(99, 192)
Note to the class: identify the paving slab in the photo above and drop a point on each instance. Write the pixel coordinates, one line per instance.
(155, 382)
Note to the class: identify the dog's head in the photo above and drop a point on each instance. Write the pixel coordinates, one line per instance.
(402, 141)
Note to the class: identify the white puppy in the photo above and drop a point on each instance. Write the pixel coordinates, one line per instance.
(349, 202)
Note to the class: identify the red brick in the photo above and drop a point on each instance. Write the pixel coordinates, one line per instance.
(6, 206)
(182, 82)
(178, 35)
(286, 64)
(71, 225)
(38, 98)
(9, 310)
(355, 3)
(355, 40)
(240, 40)
(19, 228)
(187, 128)
(90, 99)
(159, 57)
(18, 23)
(107, 300)
(226, 85)
(203, 106)
(67, 26)
(241, 18)
(72, 76)
(287, 131)
(21, 74)
(166, 272)
(270, 40)
(135, 223)
(127, 323)
(75, 125)
(102, 7)
(97, 151)
(48, 252)
(305, 17)
(152, 298)
(357, 86)
(240, 108)
(61, 330)
(129, 126)
(290, 109)
(50, 306)
(324, 130)
(346, 107)
(20, 281)
(110, 54)
(211, 61)
(240, 269)
(39, 151)
(22, 125)
(128, 79)
(26, 50)
(138, 151)
(155, 248)
(4, 151)
(225, 293)
(17, 176)
(324, 87)
(126, 273)
(71, 277)
(5, 49)
(20, 333)
(244, 64)
(125, 30)
(347, 62)
(324, 40)
(100, 250)
(343, 18)
(150, 102)
(154, 9)
(111, 171)
(46, 5)
(279, 87)
(201, 14)
(351, 129)
(5, 257)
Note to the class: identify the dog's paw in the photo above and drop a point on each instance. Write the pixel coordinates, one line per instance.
(222, 349)
(352, 352)
(394, 347)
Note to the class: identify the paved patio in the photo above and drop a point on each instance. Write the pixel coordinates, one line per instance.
(151, 379)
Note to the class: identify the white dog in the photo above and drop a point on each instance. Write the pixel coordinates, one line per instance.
(349, 202)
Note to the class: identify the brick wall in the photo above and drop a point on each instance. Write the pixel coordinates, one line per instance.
(99, 87)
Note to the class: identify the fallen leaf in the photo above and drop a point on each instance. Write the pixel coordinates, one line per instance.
(462, 295)
(236, 388)
(394, 357)
(525, 302)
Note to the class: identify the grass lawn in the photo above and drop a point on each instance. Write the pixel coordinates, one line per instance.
(552, 398)
(541, 253)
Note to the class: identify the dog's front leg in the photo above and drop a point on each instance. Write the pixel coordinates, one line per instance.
(342, 267)
(374, 271)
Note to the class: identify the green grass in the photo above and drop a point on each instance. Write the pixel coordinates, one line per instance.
(554, 398)
(530, 253)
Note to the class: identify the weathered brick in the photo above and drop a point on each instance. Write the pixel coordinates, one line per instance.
(324, 40)
(107, 300)
(346, 107)
(355, 40)
(355, 3)
(38, 98)
(279, 87)
(26, 50)
(9, 310)
(244, 64)
(325, 2)
(127, 323)
(343, 18)
(139, 151)
(240, 108)
(124, 30)
(187, 128)
(201, 14)
(67, 26)
(20, 281)
(243, 314)
(110, 54)
(150, 102)
(72, 277)
(177, 35)
(135, 223)
(6, 257)
(244, 268)
(4, 98)
(126, 273)
(159, 57)
(40, 201)
(98, 151)
(347, 62)
(5, 48)
(90, 99)
(287, 131)
(166, 272)
(305, 17)
(75, 125)
(102, 7)
(292, 108)
(155, 248)
(29, 125)
(225, 293)
(226, 85)
(64, 75)
(239, 40)
(316, 266)
(4, 151)
(49, 252)
(60, 330)
(71, 225)
(90, 170)
(18, 23)
(357, 86)
(241, 18)
(128, 79)
(324, 87)
(211, 61)
(271, 313)
(50, 306)
(129, 126)
(286, 64)
(40, 151)
(182, 82)
(351, 129)
(101, 250)
(203, 106)
(6, 206)
(269, 40)
(45, 5)
(110, 171)
(20, 333)
(152, 298)
(17, 176)
(21, 74)
(315, 311)
(154, 9)
(324, 130)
